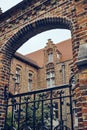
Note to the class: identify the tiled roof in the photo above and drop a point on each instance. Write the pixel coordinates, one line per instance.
(37, 56)
(26, 60)
(65, 48)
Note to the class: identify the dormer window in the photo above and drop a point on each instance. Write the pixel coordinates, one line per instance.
(58, 56)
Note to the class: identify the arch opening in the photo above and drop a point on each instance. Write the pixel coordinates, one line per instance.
(30, 30)
(39, 41)
(39, 28)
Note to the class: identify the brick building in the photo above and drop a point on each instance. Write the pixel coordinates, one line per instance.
(29, 18)
(43, 68)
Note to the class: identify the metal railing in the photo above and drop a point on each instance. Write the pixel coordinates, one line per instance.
(40, 110)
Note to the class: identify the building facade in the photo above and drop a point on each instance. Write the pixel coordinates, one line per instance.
(44, 68)
(27, 19)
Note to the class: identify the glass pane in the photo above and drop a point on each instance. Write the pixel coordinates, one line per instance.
(50, 57)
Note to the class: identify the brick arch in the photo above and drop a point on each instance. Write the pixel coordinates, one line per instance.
(17, 40)
(30, 30)
(27, 11)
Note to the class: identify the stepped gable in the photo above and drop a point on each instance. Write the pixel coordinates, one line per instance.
(64, 47)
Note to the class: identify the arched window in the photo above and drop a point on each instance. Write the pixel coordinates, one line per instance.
(30, 80)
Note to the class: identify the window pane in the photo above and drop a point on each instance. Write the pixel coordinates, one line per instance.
(17, 75)
(48, 83)
(50, 57)
(48, 75)
(51, 79)
(17, 78)
(51, 74)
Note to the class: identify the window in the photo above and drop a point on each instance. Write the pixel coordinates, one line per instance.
(50, 54)
(50, 57)
(58, 56)
(50, 79)
(18, 75)
(30, 79)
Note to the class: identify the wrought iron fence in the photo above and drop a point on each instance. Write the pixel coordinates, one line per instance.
(48, 109)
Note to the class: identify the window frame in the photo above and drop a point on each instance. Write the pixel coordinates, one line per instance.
(17, 75)
(30, 80)
(50, 79)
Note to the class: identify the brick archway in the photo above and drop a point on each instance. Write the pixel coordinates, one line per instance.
(29, 18)
(33, 29)
(18, 39)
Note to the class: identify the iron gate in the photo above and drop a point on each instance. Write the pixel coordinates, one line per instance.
(48, 109)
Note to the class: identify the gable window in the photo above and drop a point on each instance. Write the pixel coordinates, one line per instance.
(50, 79)
(50, 57)
(30, 80)
(17, 75)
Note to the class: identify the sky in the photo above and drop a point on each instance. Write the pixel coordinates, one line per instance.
(39, 41)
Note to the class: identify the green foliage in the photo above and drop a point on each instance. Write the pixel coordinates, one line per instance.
(9, 120)
(30, 114)
(36, 114)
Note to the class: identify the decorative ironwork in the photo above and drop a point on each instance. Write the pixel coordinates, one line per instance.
(40, 110)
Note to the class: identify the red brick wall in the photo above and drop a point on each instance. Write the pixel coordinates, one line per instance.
(25, 69)
(20, 25)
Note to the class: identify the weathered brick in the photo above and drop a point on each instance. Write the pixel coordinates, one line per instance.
(74, 17)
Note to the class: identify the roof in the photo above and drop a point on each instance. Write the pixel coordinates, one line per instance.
(37, 56)
(26, 60)
(65, 48)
